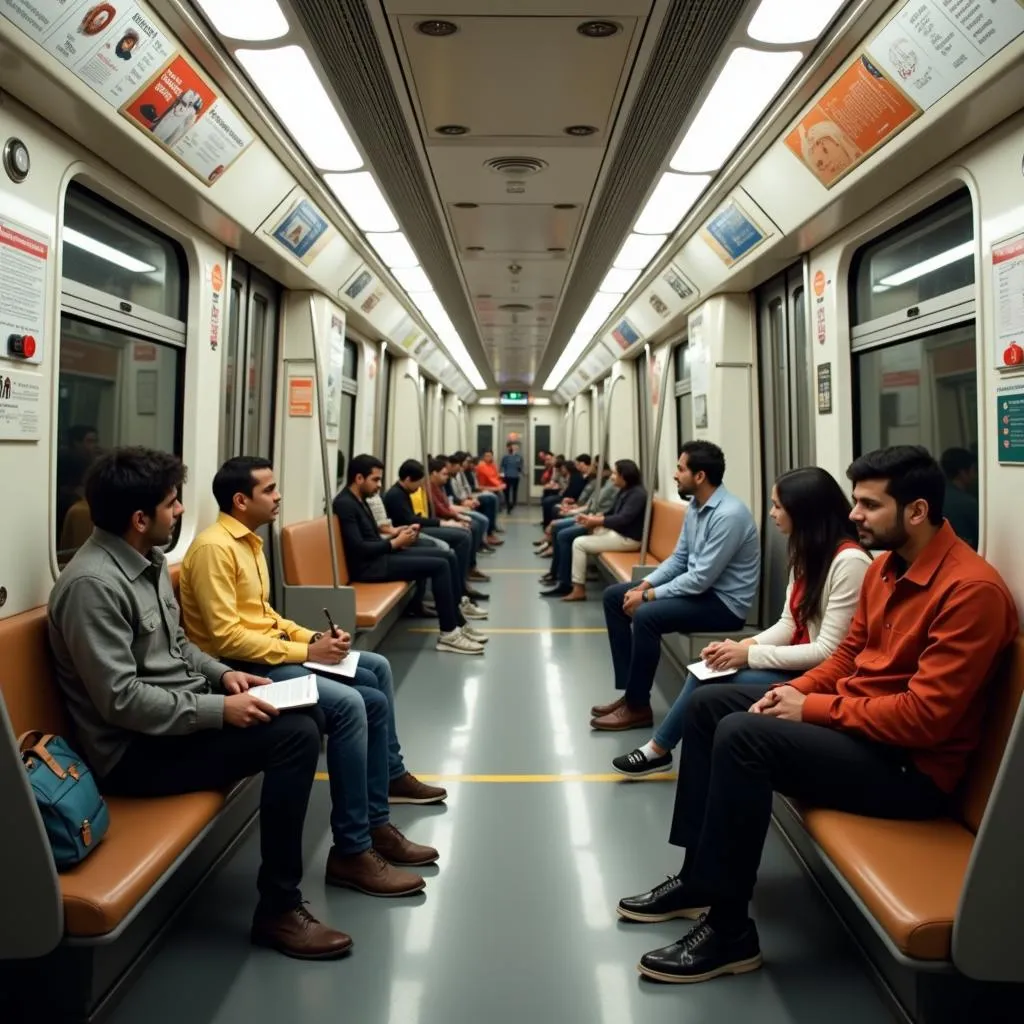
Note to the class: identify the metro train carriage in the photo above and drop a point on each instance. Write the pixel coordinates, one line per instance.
(480, 456)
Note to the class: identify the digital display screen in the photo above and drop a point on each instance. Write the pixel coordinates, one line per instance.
(515, 398)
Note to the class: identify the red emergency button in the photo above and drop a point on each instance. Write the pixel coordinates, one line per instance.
(23, 345)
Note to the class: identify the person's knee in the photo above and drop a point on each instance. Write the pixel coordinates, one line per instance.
(738, 731)
(613, 596)
(376, 704)
(299, 733)
(341, 705)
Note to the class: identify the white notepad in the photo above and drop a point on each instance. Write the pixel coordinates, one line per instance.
(300, 692)
(345, 669)
(701, 670)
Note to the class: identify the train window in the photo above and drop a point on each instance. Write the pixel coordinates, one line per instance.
(111, 253)
(684, 396)
(350, 367)
(349, 394)
(928, 258)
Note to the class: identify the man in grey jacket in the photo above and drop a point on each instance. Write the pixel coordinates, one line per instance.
(154, 714)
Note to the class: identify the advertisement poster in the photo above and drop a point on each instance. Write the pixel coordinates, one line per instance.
(335, 369)
(732, 233)
(1010, 424)
(625, 334)
(112, 47)
(21, 399)
(825, 389)
(700, 371)
(360, 281)
(1008, 287)
(300, 397)
(302, 231)
(931, 46)
(677, 281)
(859, 112)
(185, 116)
(23, 256)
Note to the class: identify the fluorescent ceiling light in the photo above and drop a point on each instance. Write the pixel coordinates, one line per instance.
(944, 259)
(637, 251)
(745, 87)
(597, 312)
(106, 252)
(413, 280)
(394, 249)
(286, 78)
(437, 317)
(792, 21)
(670, 202)
(254, 20)
(363, 201)
(618, 282)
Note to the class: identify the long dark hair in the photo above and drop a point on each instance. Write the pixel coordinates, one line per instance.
(820, 514)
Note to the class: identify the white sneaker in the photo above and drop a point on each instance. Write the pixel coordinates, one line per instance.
(470, 610)
(458, 643)
(475, 635)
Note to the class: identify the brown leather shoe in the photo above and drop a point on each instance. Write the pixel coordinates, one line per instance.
(600, 710)
(407, 789)
(624, 717)
(297, 933)
(393, 846)
(369, 872)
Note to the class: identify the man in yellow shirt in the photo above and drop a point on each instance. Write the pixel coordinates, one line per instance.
(225, 600)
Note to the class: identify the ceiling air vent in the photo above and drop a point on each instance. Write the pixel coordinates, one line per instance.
(516, 166)
(515, 307)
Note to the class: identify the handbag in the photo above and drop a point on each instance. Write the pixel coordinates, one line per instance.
(74, 814)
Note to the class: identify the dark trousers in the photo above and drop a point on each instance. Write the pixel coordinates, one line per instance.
(636, 641)
(461, 543)
(561, 560)
(733, 761)
(489, 505)
(548, 504)
(286, 749)
(511, 492)
(440, 568)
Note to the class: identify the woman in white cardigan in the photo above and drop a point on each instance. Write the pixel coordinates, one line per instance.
(827, 567)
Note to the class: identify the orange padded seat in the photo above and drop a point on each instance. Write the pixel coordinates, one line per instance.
(306, 553)
(145, 836)
(666, 525)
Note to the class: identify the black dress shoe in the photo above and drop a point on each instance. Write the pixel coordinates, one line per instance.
(664, 902)
(559, 591)
(475, 595)
(704, 954)
(549, 578)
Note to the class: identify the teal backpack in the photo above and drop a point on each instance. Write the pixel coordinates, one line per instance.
(73, 812)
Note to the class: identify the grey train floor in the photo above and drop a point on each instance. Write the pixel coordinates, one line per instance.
(517, 923)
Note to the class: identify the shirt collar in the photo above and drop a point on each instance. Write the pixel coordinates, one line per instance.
(130, 561)
(715, 500)
(928, 562)
(237, 529)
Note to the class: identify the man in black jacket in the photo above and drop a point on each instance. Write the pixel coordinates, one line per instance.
(454, 532)
(373, 558)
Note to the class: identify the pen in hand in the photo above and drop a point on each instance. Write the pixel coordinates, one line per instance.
(330, 622)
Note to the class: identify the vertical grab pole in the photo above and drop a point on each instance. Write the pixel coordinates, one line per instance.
(325, 462)
(654, 458)
(608, 413)
(416, 383)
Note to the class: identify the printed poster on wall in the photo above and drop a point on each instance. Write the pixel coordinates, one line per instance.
(186, 117)
(1010, 423)
(1008, 288)
(23, 256)
(302, 230)
(700, 370)
(732, 233)
(335, 369)
(859, 112)
(21, 399)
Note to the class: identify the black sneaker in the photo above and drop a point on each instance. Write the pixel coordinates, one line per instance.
(664, 902)
(636, 764)
(703, 954)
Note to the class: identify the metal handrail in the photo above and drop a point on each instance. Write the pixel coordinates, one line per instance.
(321, 407)
(652, 468)
(417, 384)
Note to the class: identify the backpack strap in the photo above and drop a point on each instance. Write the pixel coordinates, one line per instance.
(35, 743)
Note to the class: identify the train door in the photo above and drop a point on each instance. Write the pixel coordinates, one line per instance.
(787, 424)
(250, 358)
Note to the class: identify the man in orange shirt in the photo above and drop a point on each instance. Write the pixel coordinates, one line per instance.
(487, 478)
(883, 728)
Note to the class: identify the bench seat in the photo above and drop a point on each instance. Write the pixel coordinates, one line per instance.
(666, 525)
(375, 600)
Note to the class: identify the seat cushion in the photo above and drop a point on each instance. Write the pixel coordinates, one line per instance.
(29, 688)
(908, 873)
(144, 839)
(375, 600)
(621, 563)
(666, 525)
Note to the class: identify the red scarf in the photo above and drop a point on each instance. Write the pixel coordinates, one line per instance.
(802, 635)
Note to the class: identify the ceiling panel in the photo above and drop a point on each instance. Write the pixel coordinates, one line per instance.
(515, 229)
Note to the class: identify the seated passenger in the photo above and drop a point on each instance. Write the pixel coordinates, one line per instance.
(706, 585)
(565, 530)
(447, 507)
(568, 508)
(225, 600)
(826, 569)
(487, 474)
(373, 558)
(620, 530)
(154, 715)
(884, 728)
(961, 498)
(483, 508)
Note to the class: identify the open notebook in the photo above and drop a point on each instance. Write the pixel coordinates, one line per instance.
(703, 673)
(344, 669)
(289, 693)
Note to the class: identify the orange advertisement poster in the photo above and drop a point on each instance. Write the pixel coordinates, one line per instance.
(300, 396)
(859, 112)
(172, 102)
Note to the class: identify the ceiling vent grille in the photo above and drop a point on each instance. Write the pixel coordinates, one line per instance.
(516, 166)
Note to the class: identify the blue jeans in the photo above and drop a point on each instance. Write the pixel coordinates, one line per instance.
(563, 533)
(481, 524)
(363, 752)
(670, 732)
(489, 506)
(636, 641)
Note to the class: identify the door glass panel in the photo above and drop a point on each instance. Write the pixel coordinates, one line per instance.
(229, 401)
(684, 418)
(804, 383)
(257, 342)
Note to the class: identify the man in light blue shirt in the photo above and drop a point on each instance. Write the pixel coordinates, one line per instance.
(510, 470)
(706, 585)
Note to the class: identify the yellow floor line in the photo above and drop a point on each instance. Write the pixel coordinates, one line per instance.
(488, 570)
(597, 777)
(493, 632)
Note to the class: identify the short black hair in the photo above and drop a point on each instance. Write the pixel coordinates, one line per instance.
(629, 471)
(235, 477)
(910, 474)
(436, 465)
(411, 470)
(707, 458)
(362, 465)
(585, 459)
(456, 457)
(130, 480)
(955, 461)
(80, 431)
